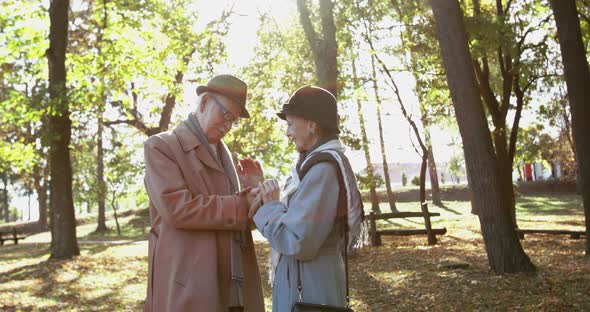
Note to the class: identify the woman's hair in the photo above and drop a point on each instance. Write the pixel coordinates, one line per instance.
(326, 132)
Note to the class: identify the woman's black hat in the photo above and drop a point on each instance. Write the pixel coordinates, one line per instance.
(315, 104)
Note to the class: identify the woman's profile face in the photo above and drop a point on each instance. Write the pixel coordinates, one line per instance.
(299, 131)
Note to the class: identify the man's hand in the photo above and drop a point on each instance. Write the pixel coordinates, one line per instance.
(249, 172)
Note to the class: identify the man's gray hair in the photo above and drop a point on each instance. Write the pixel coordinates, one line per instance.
(199, 100)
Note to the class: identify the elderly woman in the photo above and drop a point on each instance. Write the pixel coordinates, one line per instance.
(308, 222)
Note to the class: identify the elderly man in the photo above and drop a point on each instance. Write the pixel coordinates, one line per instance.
(201, 253)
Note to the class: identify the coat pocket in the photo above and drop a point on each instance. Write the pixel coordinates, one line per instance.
(185, 271)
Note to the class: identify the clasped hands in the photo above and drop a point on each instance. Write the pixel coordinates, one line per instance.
(256, 190)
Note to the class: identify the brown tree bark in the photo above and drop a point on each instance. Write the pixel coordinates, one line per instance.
(40, 183)
(499, 109)
(63, 222)
(390, 195)
(5, 197)
(101, 226)
(577, 78)
(323, 47)
(370, 171)
(505, 253)
(432, 172)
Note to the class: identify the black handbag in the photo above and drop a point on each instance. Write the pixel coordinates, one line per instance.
(301, 306)
(312, 307)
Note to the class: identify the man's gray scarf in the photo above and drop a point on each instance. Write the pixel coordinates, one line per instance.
(224, 160)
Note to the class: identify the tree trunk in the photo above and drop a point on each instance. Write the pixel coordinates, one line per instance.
(505, 253)
(423, 205)
(29, 192)
(370, 172)
(505, 170)
(101, 224)
(434, 186)
(390, 195)
(5, 197)
(40, 181)
(114, 205)
(324, 48)
(577, 78)
(498, 109)
(63, 222)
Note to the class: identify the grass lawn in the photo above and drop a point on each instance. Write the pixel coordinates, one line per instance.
(405, 274)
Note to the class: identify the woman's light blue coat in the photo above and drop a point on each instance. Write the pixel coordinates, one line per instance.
(306, 230)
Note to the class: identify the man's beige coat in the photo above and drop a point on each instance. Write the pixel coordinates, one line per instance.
(192, 219)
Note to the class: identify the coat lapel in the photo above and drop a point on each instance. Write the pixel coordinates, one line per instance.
(189, 141)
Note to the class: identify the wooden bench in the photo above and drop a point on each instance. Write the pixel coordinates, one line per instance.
(13, 235)
(427, 230)
(571, 233)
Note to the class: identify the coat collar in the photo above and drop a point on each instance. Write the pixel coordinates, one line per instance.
(190, 141)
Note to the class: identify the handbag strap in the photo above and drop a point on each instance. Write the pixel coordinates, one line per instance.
(327, 157)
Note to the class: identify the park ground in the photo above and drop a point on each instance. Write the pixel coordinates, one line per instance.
(405, 274)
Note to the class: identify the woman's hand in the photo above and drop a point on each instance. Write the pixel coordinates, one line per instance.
(254, 197)
(270, 190)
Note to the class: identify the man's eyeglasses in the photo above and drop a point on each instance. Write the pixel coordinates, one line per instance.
(227, 115)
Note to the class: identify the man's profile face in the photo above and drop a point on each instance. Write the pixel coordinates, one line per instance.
(217, 112)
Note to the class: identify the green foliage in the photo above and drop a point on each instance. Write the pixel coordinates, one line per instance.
(455, 167)
(583, 7)
(22, 45)
(282, 63)
(415, 180)
(529, 144)
(536, 144)
(420, 54)
(365, 182)
(123, 170)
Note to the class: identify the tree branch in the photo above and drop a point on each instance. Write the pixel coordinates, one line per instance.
(310, 33)
(486, 92)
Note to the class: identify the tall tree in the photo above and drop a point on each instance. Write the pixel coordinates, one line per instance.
(5, 206)
(186, 51)
(101, 103)
(417, 36)
(508, 65)
(378, 100)
(432, 171)
(505, 253)
(323, 45)
(577, 77)
(23, 102)
(63, 221)
(282, 57)
(367, 34)
(365, 141)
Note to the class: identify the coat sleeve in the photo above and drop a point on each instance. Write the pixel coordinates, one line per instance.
(176, 204)
(301, 230)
